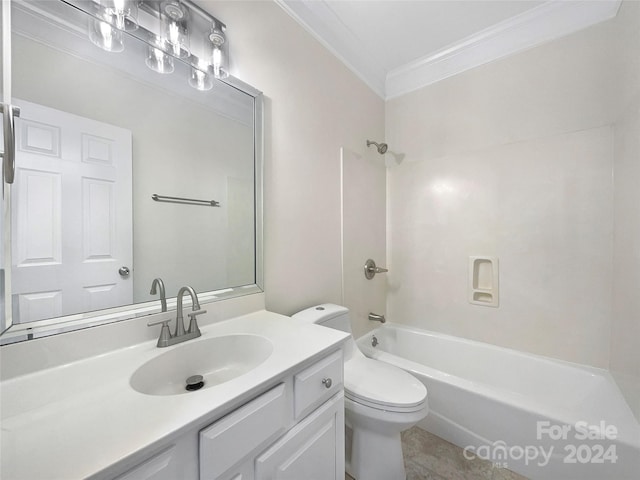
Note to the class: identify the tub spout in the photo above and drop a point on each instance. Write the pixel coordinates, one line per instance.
(377, 318)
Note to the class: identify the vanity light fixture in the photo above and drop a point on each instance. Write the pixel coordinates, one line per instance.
(170, 28)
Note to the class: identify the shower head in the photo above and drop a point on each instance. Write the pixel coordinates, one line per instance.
(382, 147)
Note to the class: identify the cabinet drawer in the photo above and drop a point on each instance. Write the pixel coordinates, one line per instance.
(242, 432)
(312, 387)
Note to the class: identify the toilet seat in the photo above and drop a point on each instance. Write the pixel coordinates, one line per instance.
(382, 386)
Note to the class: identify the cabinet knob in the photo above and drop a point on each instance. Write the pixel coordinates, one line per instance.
(327, 382)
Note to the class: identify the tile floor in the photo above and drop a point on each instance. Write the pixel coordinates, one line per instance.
(428, 457)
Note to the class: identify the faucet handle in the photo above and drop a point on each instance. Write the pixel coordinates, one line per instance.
(193, 322)
(165, 334)
(158, 322)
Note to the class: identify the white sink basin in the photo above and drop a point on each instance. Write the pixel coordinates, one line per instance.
(217, 359)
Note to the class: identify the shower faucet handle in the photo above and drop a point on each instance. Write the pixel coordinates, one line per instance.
(370, 269)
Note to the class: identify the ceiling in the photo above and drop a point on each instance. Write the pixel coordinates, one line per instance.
(397, 46)
(398, 32)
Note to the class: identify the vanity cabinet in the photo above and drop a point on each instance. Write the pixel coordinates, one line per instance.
(294, 430)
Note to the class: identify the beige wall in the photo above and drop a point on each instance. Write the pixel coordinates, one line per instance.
(314, 106)
(515, 159)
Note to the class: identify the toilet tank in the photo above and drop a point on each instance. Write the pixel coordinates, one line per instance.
(327, 315)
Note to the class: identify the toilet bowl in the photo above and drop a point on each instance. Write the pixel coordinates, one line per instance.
(381, 401)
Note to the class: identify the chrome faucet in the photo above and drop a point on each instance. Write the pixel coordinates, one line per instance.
(180, 335)
(377, 318)
(195, 310)
(157, 282)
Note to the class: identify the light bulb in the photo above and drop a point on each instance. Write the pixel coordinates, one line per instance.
(217, 61)
(218, 56)
(174, 18)
(124, 13)
(105, 36)
(158, 61)
(200, 78)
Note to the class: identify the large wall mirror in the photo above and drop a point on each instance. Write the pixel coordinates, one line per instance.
(123, 174)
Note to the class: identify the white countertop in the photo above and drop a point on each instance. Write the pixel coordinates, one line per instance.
(75, 420)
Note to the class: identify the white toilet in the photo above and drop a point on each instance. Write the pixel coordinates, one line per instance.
(380, 402)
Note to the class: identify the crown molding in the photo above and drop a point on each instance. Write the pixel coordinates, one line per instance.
(549, 21)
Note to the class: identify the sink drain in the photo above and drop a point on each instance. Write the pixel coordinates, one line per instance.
(194, 382)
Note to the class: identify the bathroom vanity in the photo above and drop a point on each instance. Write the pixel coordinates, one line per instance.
(89, 418)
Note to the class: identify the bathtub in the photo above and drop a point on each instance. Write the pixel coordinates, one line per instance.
(543, 418)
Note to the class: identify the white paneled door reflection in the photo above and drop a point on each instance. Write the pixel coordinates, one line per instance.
(72, 217)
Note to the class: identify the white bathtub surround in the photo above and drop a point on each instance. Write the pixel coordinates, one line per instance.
(77, 420)
(480, 395)
(544, 208)
(530, 159)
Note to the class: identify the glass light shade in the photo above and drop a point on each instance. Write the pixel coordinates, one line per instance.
(177, 38)
(123, 13)
(219, 52)
(219, 63)
(105, 36)
(158, 61)
(173, 28)
(200, 80)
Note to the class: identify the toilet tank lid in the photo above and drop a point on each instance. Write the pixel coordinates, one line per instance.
(320, 313)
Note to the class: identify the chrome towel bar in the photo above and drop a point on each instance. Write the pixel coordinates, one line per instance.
(186, 201)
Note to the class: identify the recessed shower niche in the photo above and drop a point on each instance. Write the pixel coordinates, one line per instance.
(483, 281)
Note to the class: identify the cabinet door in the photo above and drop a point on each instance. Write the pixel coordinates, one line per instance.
(312, 450)
(178, 461)
(158, 467)
(242, 434)
(241, 472)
